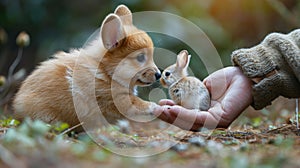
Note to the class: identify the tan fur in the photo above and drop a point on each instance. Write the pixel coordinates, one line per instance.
(48, 93)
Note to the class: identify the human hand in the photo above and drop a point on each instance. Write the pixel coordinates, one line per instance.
(273, 65)
(230, 93)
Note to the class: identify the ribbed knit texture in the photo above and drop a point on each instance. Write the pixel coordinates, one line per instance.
(276, 63)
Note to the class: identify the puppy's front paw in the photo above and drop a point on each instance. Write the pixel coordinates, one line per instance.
(152, 107)
(145, 114)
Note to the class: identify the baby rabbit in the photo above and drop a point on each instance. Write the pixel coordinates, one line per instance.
(185, 90)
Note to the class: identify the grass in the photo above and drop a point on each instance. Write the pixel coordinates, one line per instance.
(35, 144)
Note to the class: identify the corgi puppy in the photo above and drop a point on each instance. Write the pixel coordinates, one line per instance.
(99, 79)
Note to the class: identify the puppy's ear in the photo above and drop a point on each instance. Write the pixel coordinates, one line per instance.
(112, 32)
(124, 13)
(183, 60)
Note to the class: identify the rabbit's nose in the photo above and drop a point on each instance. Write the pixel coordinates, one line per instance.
(157, 75)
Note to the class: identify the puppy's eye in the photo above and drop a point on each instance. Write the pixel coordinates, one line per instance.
(167, 74)
(141, 57)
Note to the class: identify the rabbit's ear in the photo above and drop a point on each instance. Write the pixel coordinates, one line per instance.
(183, 60)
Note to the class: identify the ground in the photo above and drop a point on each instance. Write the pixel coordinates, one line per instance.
(249, 142)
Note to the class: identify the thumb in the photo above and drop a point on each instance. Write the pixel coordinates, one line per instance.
(169, 102)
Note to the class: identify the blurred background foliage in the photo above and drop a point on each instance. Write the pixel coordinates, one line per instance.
(55, 25)
(60, 24)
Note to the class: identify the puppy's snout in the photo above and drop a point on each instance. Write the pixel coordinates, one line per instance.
(157, 75)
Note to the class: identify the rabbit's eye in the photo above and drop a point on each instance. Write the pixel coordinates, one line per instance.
(141, 57)
(167, 73)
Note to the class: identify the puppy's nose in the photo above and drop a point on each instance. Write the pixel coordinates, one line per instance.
(157, 75)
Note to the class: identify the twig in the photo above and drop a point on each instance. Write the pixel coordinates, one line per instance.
(297, 113)
(9, 159)
(278, 129)
(4, 129)
(2, 60)
(14, 64)
(72, 128)
(283, 12)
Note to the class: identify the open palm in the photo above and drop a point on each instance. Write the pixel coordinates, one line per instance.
(230, 94)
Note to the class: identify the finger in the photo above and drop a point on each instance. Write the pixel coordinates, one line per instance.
(193, 119)
(181, 117)
(238, 96)
(185, 118)
(166, 102)
(162, 113)
(217, 84)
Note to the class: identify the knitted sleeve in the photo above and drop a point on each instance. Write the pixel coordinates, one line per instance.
(273, 66)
